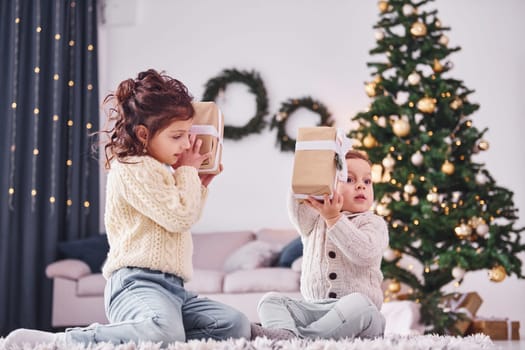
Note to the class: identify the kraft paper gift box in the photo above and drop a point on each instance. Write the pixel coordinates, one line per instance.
(496, 328)
(467, 304)
(208, 124)
(319, 161)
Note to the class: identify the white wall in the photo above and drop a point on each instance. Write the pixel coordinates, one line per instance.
(317, 48)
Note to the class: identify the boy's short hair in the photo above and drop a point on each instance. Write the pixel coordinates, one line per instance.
(355, 154)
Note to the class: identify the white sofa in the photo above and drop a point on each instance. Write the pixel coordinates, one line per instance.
(78, 293)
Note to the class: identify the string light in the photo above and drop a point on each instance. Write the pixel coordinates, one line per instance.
(33, 96)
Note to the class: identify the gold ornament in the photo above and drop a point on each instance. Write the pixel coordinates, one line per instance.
(377, 172)
(463, 231)
(391, 254)
(456, 103)
(383, 6)
(426, 105)
(388, 162)
(417, 158)
(418, 29)
(483, 230)
(401, 127)
(497, 273)
(370, 89)
(475, 221)
(483, 145)
(443, 40)
(414, 78)
(369, 141)
(383, 210)
(394, 286)
(408, 10)
(448, 168)
(458, 272)
(437, 66)
(410, 188)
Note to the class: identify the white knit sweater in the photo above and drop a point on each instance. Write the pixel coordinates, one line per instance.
(344, 259)
(149, 213)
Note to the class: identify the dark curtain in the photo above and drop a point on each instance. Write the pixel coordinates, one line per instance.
(49, 180)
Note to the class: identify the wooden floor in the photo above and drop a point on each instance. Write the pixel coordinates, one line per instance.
(509, 344)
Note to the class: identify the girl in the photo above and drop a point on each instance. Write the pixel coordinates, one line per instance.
(341, 277)
(154, 195)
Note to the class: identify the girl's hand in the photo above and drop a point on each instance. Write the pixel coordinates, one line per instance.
(330, 209)
(192, 156)
(206, 178)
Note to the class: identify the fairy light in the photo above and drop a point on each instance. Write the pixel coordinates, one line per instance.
(50, 112)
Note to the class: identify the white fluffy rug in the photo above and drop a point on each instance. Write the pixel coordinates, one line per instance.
(391, 342)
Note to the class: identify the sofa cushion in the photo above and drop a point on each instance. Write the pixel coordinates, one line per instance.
(92, 250)
(252, 255)
(265, 279)
(211, 249)
(91, 285)
(205, 281)
(297, 265)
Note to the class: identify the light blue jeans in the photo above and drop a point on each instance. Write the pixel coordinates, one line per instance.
(148, 305)
(352, 316)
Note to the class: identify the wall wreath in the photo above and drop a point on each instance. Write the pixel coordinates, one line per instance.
(288, 108)
(252, 79)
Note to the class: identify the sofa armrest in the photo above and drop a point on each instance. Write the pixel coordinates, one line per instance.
(68, 268)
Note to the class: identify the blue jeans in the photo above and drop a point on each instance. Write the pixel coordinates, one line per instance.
(147, 305)
(352, 316)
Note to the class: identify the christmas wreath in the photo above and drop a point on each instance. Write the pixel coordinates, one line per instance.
(252, 79)
(288, 108)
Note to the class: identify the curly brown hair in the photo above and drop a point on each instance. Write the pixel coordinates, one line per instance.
(153, 100)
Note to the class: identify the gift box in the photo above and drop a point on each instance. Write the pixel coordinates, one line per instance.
(318, 161)
(496, 328)
(208, 124)
(464, 303)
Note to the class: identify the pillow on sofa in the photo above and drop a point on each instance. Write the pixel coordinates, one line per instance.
(290, 253)
(92, 250)
(251, 256)
(297, 265)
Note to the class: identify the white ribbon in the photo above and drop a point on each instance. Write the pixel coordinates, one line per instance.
(205, 129)
(340, 146)
(455, 303)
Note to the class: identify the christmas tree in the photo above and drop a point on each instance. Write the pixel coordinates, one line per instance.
(444, 209)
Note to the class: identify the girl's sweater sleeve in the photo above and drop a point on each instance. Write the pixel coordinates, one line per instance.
(172, 201)
(362, 239)
(301, 215)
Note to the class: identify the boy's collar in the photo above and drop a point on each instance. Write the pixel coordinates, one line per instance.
(351, 215)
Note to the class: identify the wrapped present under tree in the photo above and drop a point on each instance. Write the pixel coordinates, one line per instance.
(464, 306)
(496, 328)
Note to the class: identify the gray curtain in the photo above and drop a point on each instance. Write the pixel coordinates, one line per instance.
(49, 185)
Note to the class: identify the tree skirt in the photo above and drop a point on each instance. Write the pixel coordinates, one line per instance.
(390, 342)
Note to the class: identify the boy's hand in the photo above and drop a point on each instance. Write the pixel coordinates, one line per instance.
(206, 178)
(330, 209)
(192, 156)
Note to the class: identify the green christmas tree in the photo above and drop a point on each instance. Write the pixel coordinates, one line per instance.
(443, 208)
